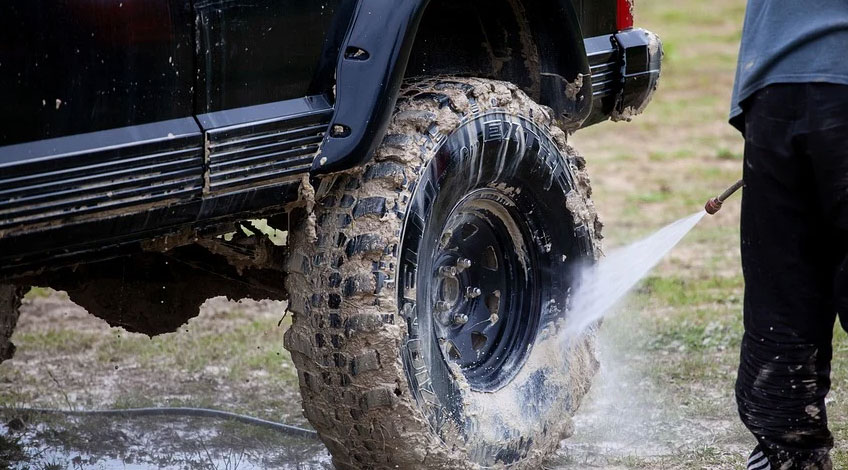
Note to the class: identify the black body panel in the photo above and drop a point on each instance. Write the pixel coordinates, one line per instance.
(145, 146)
(262, 144)
(597, 17)
(560, 40)
(81, 66)
(186, 116)
(260, 51)
(75, 177)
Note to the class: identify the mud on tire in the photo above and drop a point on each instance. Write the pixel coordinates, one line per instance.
(10, 303)
(378, 377)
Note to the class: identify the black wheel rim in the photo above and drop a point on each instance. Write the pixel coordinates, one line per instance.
(504, 177)
(482, 293)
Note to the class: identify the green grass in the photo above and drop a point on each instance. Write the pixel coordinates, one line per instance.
(61, 342)
(38, 293)
(688, 292)
(677, 336)
(244, 349)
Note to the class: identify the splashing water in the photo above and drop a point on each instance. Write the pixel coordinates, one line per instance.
(605, 283)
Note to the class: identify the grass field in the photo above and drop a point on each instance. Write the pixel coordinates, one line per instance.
(664, 398)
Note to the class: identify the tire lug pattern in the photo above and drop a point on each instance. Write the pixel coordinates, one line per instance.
(346, 334)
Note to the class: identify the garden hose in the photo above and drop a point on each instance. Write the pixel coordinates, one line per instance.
(192, 412)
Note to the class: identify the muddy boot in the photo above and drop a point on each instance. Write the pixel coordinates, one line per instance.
(784, 461)
(758, 460)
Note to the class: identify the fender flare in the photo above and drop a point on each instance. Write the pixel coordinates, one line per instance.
(374, 55)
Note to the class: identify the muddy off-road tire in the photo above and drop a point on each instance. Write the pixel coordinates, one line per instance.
(10, 303)
(426, 287)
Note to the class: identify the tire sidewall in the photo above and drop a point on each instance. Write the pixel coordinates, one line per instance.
(349, 333)
(513, 155)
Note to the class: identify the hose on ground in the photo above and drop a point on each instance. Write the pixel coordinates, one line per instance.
(181, 411)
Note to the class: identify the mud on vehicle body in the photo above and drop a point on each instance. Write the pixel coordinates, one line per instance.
(413, 151)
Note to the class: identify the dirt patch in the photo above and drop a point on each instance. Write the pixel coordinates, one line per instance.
(230, 357)
(573, 88)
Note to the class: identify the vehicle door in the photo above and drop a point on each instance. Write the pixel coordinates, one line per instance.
(97, 107)
(265, 75)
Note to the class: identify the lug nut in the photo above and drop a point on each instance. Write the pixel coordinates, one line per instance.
(447, 271)
(442, 306)
(460, 319)
(472, 292)
(462, 264)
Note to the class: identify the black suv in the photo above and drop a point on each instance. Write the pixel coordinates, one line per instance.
(396, 169)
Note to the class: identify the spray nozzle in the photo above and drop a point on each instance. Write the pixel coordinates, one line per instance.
(714, 204)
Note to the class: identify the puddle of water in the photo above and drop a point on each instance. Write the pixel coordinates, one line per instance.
(172, 443)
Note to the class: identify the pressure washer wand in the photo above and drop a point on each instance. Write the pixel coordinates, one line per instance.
(714, 204)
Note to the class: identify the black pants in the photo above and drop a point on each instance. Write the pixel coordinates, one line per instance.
(795, 262)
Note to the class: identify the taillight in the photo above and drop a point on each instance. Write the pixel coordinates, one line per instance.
(624, 18)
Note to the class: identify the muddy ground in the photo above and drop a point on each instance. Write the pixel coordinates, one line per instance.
(664, 396)
(229, 358)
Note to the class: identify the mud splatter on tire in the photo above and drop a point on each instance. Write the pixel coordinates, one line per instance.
(10, 302)
(348, 337)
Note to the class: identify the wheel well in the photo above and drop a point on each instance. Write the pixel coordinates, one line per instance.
(461, 38)
(537, 45)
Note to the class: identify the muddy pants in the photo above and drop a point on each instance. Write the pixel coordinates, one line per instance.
(795, 262)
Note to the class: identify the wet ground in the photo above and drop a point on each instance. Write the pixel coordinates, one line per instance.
(229, 358)
(170, 443)
(68, 360)
(630, 419)
(617, 424)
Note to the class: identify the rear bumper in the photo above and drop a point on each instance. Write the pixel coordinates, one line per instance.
(625, 69)
(641, 53)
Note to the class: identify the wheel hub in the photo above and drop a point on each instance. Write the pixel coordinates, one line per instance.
(481, 302)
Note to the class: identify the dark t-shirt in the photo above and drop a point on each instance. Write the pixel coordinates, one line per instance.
(790, 41)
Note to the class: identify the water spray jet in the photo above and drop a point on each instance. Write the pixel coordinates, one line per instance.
(603, 284)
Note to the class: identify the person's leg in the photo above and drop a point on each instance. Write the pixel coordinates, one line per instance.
(827, 146)
(784, 371)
